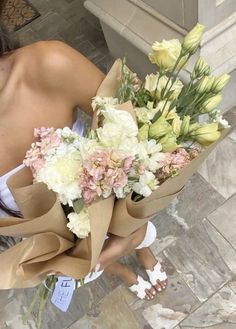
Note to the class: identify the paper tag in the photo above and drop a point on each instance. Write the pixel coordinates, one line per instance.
(63, 293)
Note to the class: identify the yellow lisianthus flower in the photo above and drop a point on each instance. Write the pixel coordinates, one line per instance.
(165, 54)
(206, 134)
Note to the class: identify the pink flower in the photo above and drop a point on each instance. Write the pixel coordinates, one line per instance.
(120, 179)
(141, 169)
(89, 195)
(180, 158)
(96, 164)
(127, 164)
(43, 132)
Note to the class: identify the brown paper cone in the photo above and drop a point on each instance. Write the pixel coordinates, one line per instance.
(50, 245)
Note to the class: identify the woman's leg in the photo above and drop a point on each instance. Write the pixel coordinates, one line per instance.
(116, 247)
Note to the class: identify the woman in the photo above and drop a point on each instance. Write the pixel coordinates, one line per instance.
(41, 85)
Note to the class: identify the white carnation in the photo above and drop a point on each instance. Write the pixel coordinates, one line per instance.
(61, 174)
(147, 183)
(150, 154)
(79, 224)
(87, 146)
(100, 103)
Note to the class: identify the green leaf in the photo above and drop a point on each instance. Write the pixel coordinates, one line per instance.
(78, 205)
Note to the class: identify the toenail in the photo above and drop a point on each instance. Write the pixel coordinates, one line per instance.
(159, 289)
(154, 293)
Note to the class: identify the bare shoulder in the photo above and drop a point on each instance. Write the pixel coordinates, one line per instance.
(61, 69)
(53, 60)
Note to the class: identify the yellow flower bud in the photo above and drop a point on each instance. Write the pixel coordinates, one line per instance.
(143, 132)
(194, 126)
(169, 143)
(192, 40)
(176, 125)
(206, 134)
(211, 103)
(185, 125)
(220, 82)
(201, 68)
(159, 128)
(151, 82)
(205, 85)
(172, 114)
(165, 54)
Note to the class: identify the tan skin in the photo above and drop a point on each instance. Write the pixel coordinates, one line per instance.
(41, 85)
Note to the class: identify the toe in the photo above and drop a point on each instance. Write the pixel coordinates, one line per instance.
(158, 287)
(153, 291)
(148, 295)
(163, 284)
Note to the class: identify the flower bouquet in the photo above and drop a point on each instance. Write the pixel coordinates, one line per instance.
(179, 120)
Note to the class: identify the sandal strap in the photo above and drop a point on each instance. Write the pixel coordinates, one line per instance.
(156, 274)
(140, 287)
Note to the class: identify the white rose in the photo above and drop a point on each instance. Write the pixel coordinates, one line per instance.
(119, 131)
(147, 183)
(122, 119)
(79, 224)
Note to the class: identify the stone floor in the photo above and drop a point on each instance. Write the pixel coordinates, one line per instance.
(196, 239)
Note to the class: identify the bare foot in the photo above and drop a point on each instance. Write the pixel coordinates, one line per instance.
(148, 261)
(128, 277)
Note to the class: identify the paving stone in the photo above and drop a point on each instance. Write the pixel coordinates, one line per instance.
(6, 296)
(27, 36)
(219, 312)
(230, 115)
(219, 167)
(204, 259)
(114, 313)
(232, 284)
(195, 202)
(73, 11)
(43, 6)
(50, 24)
(11, 315)
(224, 219)
(216, 326)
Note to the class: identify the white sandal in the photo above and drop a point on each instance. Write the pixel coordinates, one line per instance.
(140, 287)
(156, 274)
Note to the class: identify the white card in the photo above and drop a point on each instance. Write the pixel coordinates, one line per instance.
(63, 293)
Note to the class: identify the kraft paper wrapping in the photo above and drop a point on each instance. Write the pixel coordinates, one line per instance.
(49, 245)
(128, 215)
